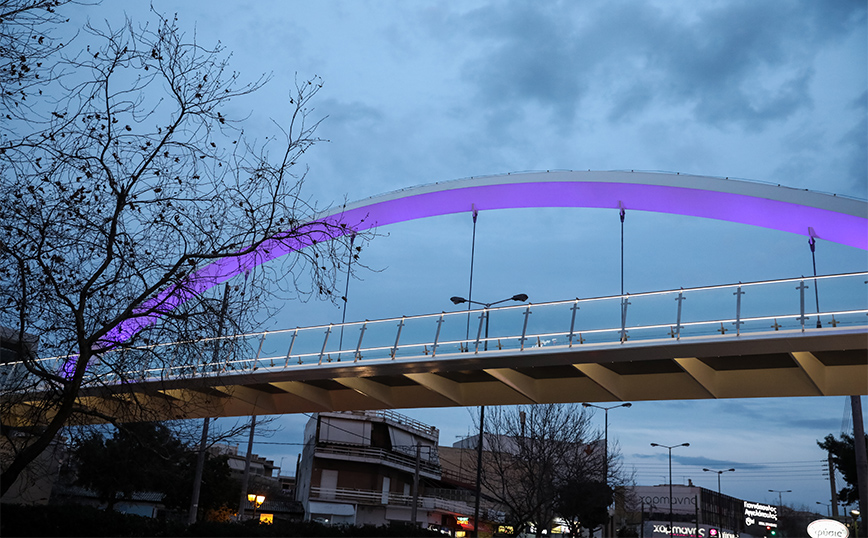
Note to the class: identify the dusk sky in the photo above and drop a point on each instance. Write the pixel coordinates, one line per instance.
(422, 92)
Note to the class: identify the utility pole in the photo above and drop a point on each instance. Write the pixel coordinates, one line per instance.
(413, 511)
(203, 443)
(861, 457)
(245, 479)
(834, 489)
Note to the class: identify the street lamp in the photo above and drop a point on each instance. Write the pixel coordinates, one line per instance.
(855, 514)
(606, 434)
(256, 500)
(520, 297)
(828, 508)
(719, 518)
(780, 501)
(671, 522)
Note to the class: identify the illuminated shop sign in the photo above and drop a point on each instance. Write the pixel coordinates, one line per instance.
(827, 528)
(656, 498)
(660, 529)
(758, 517)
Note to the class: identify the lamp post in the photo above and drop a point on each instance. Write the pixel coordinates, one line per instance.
(828, 508)
(671, 522)
(855, 514)
(780, 501)
(780, 498)
(520, 297)
(719, 499)
(606, 434)
(256, 501)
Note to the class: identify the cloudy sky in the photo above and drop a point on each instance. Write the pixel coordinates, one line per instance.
(420, 92)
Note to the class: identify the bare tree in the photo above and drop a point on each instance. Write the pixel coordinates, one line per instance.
(532, 454)
(128, 194)
(26, 46)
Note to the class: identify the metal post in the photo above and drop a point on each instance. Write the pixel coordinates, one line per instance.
(437, 335)
(358, 354)
(325, 342)
(738, 322)
(245, 478)
(478, 471)
(669, 448)
(832, 484)
(398, 337)
(861, 456)
(671, 519)
(719, 517)
(203, 443)
(416, 484)
(802, 317)
(642, 521)
(812, 242)
(345, 297)
(575, 308)
(197, 480)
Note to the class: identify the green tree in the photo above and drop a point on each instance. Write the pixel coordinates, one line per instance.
(137, 457)
(218, 486)
(582, 502)
(843, 453)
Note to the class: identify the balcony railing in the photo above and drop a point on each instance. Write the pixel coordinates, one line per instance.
(379, 456)
(373, 497)
(421, 428)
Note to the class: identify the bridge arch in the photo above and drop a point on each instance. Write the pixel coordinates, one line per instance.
(824, 216)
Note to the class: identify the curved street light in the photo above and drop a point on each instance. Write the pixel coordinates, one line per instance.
(520, 297)
(606, 434)
(671, 523)
(719, 517)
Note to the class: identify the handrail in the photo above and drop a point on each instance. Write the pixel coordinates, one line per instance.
(718, 311)
(364, 496)
(386, 456)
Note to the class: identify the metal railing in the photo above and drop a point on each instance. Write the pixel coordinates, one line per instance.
(363, 496)
(381, 456)
(724, 311)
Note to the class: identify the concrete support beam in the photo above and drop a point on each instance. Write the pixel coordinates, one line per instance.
(316, 395)
(813, 368)
(442, 386)
(371, 389)
(605, 378)
(522, 384)
(703, 374)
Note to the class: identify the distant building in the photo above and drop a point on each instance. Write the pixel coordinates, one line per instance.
(259, 466)
(696, 513)
(359, 468)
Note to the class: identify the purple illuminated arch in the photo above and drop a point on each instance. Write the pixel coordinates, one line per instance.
(824, 216)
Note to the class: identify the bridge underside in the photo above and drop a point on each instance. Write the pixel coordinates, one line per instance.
(816, 362)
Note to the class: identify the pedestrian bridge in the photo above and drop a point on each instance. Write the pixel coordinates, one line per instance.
(743, 340)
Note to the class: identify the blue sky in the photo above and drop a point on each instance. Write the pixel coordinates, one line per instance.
(418, 92)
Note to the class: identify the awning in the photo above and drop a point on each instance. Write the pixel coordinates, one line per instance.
(332, 509)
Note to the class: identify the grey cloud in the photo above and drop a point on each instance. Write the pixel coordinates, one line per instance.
(855, 145)
(742, 63)
(715, 464)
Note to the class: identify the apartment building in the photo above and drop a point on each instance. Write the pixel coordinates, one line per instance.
(360, 467)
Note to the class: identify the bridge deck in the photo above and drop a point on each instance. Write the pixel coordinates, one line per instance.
(816, 362)
(675, 344)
